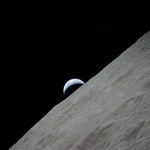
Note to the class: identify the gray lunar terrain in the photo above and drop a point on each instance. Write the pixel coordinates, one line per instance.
(110, 112)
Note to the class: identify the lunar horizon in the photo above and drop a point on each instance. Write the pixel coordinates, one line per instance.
(110, 112)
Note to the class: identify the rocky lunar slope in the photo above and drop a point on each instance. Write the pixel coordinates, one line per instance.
(110, 112)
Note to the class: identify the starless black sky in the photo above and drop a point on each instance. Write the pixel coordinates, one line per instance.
(49, 51)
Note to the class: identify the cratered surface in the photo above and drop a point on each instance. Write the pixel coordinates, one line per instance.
(110, 112)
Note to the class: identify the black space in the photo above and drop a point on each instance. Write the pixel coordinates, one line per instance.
(48, 49)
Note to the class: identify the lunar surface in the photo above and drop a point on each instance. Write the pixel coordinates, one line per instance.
(109, 112)
(71, 82)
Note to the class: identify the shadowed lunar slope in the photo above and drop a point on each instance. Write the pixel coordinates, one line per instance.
(110, 112)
